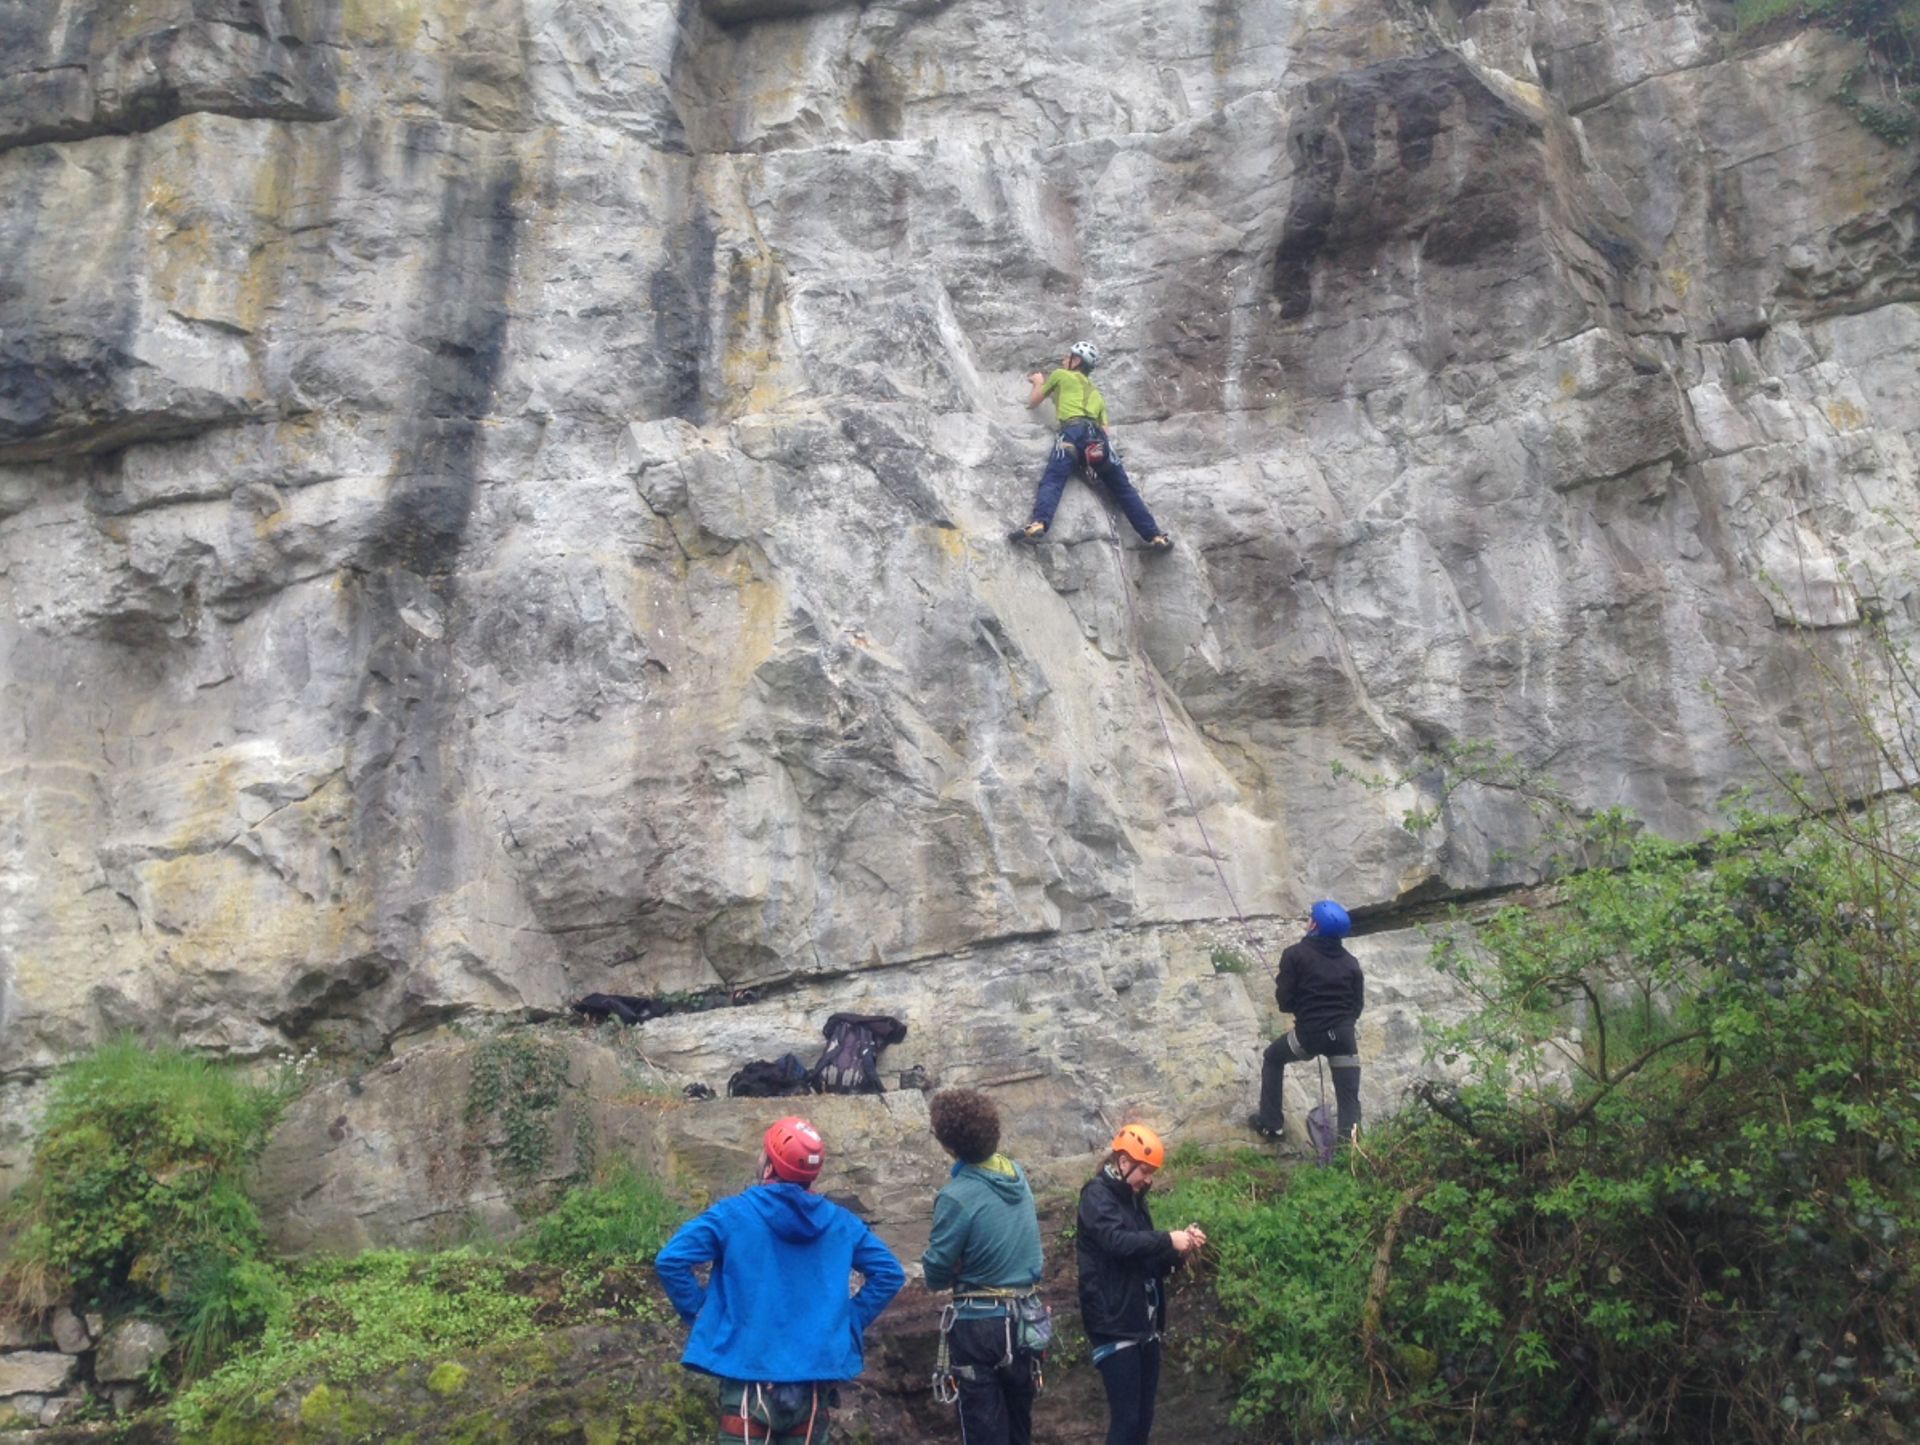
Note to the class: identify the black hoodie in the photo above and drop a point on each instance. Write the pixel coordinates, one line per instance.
(1320, 984)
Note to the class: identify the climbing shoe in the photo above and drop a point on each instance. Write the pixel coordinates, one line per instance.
(1159, 542)
(1032, 532)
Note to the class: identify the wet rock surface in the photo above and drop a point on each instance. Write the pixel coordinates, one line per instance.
(501, 501)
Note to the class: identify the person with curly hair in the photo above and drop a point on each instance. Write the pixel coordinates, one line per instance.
(986, 1249)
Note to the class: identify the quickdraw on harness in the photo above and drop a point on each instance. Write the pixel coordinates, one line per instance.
(947, 1375)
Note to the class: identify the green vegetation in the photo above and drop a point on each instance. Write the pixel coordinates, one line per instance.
(519, 1080)
(136, 1200)
(621, 1221)
(336, 1322)
(1708, 1227)
(348, 1319)
(1884, 92)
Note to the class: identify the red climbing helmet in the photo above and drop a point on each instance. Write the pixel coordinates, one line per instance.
(795, 1150)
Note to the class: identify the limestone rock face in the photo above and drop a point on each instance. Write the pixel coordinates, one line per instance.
(503, 499)
(38, 1372)
(130, 1349)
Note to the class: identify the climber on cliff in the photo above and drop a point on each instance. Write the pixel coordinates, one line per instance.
(1320, 984)
(985, 1247)
(1124, 1263)
(774, 1323)
(1081, 414)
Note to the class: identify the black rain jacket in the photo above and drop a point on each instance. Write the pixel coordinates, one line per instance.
(1119, 1252)
(1320, 984)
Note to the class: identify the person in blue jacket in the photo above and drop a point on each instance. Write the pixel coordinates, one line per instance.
(774, 1323)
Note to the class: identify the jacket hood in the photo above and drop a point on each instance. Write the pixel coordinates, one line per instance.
(791, 1212)
(1000, 1174)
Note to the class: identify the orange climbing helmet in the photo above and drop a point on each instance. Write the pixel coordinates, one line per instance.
(1140, 1144)
(795, 1150)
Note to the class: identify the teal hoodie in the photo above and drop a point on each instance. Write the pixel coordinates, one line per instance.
(985, 1233)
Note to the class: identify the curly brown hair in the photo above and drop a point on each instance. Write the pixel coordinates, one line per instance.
(966, 1123)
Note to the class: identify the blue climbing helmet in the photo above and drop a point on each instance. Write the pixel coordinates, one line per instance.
(1330, 919)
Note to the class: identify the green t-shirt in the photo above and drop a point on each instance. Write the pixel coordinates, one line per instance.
(1075, 396)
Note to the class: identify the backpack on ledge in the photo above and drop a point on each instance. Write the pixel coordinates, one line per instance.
(851, 1062)
(779, 1078)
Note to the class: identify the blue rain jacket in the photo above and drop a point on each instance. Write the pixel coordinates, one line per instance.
(775, 1308)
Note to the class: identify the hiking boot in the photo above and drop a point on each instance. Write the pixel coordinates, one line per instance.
(1159, 542)
(1032, 532)
(1253, 1123)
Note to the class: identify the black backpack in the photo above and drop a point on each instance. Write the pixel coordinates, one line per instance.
(770, 1079)
(851, 1062)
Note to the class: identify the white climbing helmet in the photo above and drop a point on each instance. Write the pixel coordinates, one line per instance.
(1088, 353)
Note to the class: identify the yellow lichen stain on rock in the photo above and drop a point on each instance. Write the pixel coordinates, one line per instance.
(217, 903)
(1681, 282)
(953, 542)
(759, 603)
(383, 22)
(1569, 383)
(1844, 415)
(753, 322)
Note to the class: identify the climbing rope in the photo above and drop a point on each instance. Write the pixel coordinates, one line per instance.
(1166, 732)
(1173, 754)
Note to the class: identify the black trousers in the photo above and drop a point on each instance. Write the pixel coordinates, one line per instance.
(1132, 1378)
(996, 1403)
(1343, 1062)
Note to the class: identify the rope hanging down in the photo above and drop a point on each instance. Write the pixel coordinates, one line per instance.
(1173, 753)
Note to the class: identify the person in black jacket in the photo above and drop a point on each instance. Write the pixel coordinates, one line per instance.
(1320, 985)
(1124, 1262)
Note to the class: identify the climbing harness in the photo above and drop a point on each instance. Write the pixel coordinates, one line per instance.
(1028, 1325)
(742, 1425)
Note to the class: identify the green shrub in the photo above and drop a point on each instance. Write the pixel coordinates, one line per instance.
(135, 1196)
(343, 1320)
(1289, 1262)
(1708, 1229)
(623, 1219)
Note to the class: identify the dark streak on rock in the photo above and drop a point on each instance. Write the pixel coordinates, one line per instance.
(680, 296)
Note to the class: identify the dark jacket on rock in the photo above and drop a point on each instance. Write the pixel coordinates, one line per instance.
(1320, 984)
(1123, 1261)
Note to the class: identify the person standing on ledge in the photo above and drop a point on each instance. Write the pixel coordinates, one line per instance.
(1081, 414)
(985, 1247)
(774, 1323)
(1124, 1263)
(1320, 984)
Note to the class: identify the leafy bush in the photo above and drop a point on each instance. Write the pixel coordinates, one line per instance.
(343, 1320)
(135, 1198)
(1288, 1260)
(1705, 1230)
(622, 1220)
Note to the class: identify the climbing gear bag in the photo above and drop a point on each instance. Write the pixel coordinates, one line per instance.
(1032, 1325)
(850, 1062)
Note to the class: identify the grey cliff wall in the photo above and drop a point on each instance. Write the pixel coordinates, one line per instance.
(504, 498)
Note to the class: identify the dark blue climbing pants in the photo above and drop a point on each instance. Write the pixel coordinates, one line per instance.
(1132, 1377)
(1067, 451)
